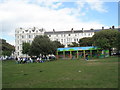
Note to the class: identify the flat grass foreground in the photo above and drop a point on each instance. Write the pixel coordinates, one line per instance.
(96, 73)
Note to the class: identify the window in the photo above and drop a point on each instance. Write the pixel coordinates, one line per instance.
(18, 47)
(29, 31)
(64, 35)
(49, 35)
(77, 39)
(74, 40)
(56, 35)
(61, 40)
(29, 36)
(64, 40)
(22, 36)
(68, 34)
(18, 53)
(18, 37)
(23, 32)
(68, 39)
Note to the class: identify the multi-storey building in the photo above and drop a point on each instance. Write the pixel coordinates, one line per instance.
(64, 37)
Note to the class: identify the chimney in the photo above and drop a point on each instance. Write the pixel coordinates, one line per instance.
(72, 30)
(34, 28)
(82, 29)
(53, 30)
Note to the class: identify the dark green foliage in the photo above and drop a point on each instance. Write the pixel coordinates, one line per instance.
(42, 45)
(6, 53)
(25, 48)
(105, 39)
(6, 48)
(74, 44)
(58, 44)
(87, 41)
(118, 41)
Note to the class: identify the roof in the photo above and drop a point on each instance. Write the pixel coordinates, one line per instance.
(67, 32)
(78, 48)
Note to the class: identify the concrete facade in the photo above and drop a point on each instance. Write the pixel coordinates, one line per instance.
(65, 37)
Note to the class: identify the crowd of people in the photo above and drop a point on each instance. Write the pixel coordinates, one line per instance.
(40, 59)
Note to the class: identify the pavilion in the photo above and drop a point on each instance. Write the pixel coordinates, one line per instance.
(80, 52)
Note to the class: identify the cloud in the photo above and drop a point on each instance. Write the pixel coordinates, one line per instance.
(29, 13)
(97, 5)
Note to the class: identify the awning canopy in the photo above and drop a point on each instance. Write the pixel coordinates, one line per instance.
(78, 48)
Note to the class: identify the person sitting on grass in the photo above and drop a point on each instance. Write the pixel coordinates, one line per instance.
(31, 61)
(38, 60)
(24, 60)
(86, 57)
(28, 60)
(21, 60)
(16, 59)
(47, 58)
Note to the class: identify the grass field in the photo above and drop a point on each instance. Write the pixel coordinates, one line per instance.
(97, 73)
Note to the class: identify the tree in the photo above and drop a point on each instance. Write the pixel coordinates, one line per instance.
(7, 49)
(118, 41)
(25, 48)
(58, 44)
(87, 41)
(42, 45)
(74, 44)
(106, 39)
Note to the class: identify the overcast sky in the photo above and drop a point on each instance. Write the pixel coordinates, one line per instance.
(60, 15)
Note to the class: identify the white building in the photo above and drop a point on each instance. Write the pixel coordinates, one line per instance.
(65, 37)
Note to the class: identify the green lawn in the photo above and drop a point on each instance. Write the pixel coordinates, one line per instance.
(97, 73)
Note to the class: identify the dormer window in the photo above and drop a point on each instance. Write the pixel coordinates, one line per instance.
(33, 30)
(26, 30)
